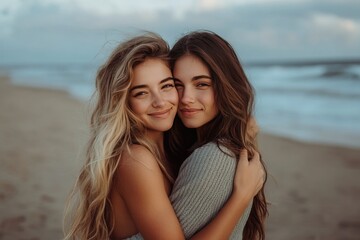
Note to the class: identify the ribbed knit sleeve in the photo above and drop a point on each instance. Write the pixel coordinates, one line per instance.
(203, 186)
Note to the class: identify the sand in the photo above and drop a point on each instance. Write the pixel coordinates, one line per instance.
(314, 190)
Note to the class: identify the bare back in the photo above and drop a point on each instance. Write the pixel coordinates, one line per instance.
(130, 173)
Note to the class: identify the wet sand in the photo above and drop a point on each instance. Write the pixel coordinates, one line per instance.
(313, 189)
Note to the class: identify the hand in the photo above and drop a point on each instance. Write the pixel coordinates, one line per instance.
(250, 175)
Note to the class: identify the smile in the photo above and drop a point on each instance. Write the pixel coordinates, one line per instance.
(189, 112)
(161, 114)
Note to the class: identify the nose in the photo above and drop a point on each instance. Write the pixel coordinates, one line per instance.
(158, 101)
(186, 96)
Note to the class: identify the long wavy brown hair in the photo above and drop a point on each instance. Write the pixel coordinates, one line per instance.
(113, 128)
(234, 96)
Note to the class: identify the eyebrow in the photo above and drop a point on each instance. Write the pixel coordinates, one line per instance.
(144, 85)
(195, 78)
(199, 77)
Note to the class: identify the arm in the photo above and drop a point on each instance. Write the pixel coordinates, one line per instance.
(141, 185)
(248, 180)
(204, 185)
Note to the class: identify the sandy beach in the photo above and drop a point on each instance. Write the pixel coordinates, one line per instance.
(313, 189)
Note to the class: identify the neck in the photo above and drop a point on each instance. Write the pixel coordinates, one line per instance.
(158, 138)
(200, 134)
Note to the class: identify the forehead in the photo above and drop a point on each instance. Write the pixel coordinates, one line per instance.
(189, 66)
(152, 70)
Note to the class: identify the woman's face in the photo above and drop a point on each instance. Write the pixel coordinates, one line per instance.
(196, 92)
(152, 95)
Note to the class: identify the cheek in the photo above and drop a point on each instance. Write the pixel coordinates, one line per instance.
(137, 106)
(209, 100)
(173, 97)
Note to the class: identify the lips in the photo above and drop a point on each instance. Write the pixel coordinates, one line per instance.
(189, 112)
(160, 114)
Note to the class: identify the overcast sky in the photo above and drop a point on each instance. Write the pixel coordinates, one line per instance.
(83, 31)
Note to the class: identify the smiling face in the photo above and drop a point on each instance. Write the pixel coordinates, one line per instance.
(152, 95)
(196, 93)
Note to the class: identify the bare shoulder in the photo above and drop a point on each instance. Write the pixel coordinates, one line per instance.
(137, 172)
(138, 154)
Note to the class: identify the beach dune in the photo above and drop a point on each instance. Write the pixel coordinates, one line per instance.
(313, 189)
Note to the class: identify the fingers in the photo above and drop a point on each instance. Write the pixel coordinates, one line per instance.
(243, 155)
(256, 157)
(259, 169)
(250, 174)
(243, 159)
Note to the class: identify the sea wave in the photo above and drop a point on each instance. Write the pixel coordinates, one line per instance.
(318, 103)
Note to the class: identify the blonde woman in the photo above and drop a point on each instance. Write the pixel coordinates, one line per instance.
(123, 189)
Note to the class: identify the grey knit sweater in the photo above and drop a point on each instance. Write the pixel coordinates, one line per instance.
(203, 186)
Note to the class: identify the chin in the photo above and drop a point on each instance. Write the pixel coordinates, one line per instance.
(164, 127)
(190, 125)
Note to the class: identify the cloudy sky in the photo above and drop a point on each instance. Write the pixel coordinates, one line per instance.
(83, 31)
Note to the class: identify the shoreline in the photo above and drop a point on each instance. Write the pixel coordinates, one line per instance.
(313, 188)
(321, 143)
(334, 127)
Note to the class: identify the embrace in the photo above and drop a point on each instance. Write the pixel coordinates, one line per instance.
(172, 152)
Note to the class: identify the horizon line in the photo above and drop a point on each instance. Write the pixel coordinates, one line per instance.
(260, 63)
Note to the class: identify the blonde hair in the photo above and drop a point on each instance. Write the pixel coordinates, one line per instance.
(114, 127)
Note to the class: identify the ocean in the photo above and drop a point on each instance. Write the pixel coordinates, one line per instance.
(315, 102)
